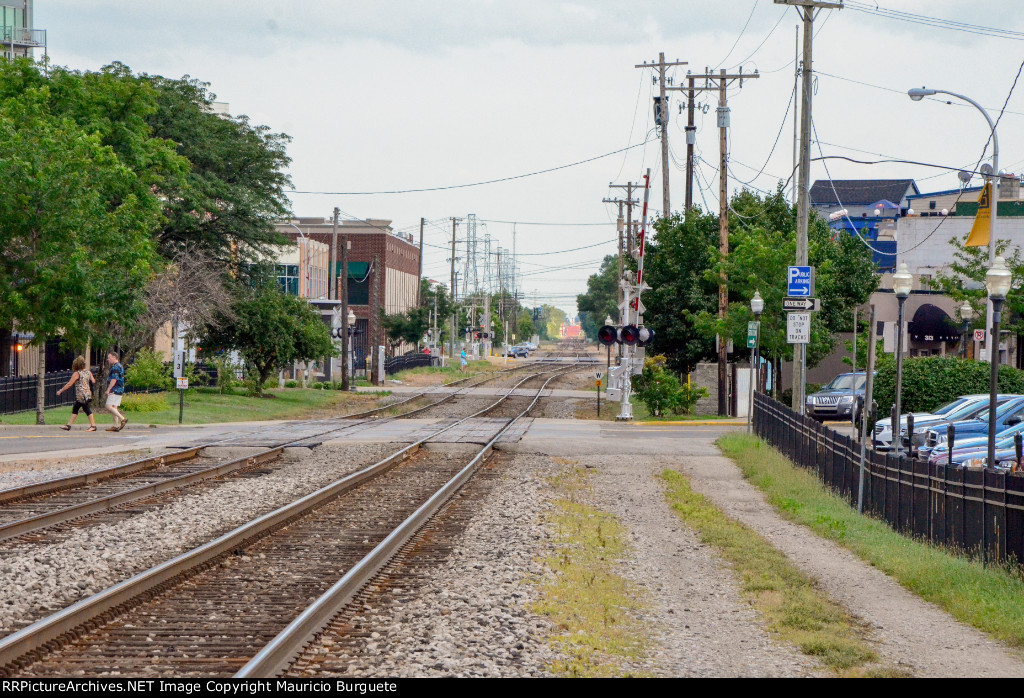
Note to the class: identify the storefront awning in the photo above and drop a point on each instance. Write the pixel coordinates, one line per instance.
(932, 324)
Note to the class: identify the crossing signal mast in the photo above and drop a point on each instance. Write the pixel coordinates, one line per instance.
(630, 332)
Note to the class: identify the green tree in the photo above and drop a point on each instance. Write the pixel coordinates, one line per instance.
(408, 327)
(602, 297)
(524, 326)
(270, 330)
(75, 226)
(966, 282)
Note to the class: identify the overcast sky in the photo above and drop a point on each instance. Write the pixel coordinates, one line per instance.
(407, 95)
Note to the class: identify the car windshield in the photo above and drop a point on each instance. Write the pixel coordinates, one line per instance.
(847, 381)
(969, 410)
(949, 407)
(1001, 410)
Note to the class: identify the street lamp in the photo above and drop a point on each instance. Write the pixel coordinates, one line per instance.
(966, 314)
(917, 94)
(756, 306)
(902, 281)
(997, 282)
(350, 320)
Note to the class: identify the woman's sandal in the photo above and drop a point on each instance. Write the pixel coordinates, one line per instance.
(65, 427)
(91, 429)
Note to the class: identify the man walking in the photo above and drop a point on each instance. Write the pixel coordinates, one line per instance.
(115, 389)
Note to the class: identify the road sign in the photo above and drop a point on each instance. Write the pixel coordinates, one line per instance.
(183, 384)
(979, 335)
(800, 282)
(798, 328)
(751, 334)
(803, 304)
(179, 364)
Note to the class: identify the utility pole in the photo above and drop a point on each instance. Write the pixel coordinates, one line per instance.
(630, 202)
(343, 294)
(662, 66)
(332, 292)
(419, 282)
(374, 326)
(620, 225)
(796, 111)
(691, 139)
(807, 9)
(451, 354)
(720, 82)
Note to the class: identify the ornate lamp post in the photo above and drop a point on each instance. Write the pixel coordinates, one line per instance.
(997, 281)
(902, 281)
(966, 314)
(756, 306)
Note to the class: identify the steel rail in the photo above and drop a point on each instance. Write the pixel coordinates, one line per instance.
(30, 524)
(280, 652)
(51, 628)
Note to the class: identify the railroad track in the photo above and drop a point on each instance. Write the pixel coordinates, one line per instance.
(34, 508)
(209, 610)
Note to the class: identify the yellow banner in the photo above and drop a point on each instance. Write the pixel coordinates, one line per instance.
(982, 222)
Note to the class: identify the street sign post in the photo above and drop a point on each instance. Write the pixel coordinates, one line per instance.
(801, 304)
(798, 328)
(800, 282)
(751, 334)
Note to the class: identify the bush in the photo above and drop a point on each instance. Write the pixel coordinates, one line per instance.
(786, 396)
(659, 390)
(148, 372)
(225, 373)
(931, 381)
(144, 402)
(291, 384)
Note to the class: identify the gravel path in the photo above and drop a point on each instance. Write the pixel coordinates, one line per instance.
(701, 625)
(470, 614)
(27, 472)
(912, 633)
(39, 579)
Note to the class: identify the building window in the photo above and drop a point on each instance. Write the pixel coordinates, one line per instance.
(288, 278)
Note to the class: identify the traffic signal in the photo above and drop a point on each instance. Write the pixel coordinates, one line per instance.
(646, 337)
(476, 335)
(607, 335)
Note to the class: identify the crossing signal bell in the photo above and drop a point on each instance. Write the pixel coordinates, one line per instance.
(630, 334)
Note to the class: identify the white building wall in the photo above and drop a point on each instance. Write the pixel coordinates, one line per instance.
(923, 242)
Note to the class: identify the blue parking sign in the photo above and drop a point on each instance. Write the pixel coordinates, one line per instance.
(800, 282)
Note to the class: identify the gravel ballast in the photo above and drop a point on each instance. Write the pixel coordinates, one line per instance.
(27, 472)
(39, 579)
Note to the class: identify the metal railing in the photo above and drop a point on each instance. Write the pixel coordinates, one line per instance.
(401, 363)
(973, 510)
(22, 36)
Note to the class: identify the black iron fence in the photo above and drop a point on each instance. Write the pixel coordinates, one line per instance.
(968, 509)
(400, 363)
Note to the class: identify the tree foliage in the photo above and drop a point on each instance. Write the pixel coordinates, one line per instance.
(270, 330)
(966, 282)
(602, 297)
(932, 381)
(408, 327)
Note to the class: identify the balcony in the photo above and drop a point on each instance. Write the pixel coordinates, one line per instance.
(21, 37)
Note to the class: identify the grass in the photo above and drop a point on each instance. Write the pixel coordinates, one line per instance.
(989, 598)
(792, 606)
(594, 608)
(434, 375)
(202, 407)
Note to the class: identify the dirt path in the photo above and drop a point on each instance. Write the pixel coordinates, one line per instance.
(912, 633)
(703, 627)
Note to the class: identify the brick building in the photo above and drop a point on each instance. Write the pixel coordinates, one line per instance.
(383, 270)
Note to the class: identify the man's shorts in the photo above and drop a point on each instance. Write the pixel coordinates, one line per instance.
(113, 400)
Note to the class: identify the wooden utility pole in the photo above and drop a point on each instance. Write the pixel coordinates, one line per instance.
(662, 66)
(419, 282)
(332, 277)
(629, 202)
(807, 9)
(620, 226)
(451, 354)
(720, 83)
(691, 138)
(343, 294)
(374, 326)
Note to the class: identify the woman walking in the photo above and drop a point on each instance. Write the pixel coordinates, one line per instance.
(82, 380)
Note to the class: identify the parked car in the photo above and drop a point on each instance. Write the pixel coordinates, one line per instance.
(1009, 414)
(530, 346)
(973, 452)
(842, 398)
(964, 407)
(517, 351)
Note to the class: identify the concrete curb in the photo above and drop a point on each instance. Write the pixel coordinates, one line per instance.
(695, 423)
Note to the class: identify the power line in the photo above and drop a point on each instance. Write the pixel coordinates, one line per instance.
(472, 184)
(937, 22)
(742, 32)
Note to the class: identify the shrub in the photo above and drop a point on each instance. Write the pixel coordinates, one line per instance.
(931, 381)
(225, 373)
(687, 398)
(291, 384)
(148, 372)
(251, 383)
(144, 402)
(660, 390)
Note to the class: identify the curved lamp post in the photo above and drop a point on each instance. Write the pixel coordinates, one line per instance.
(757, 307)
(997, 281)
(917, 94)
(902, 281)
(966, 314)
